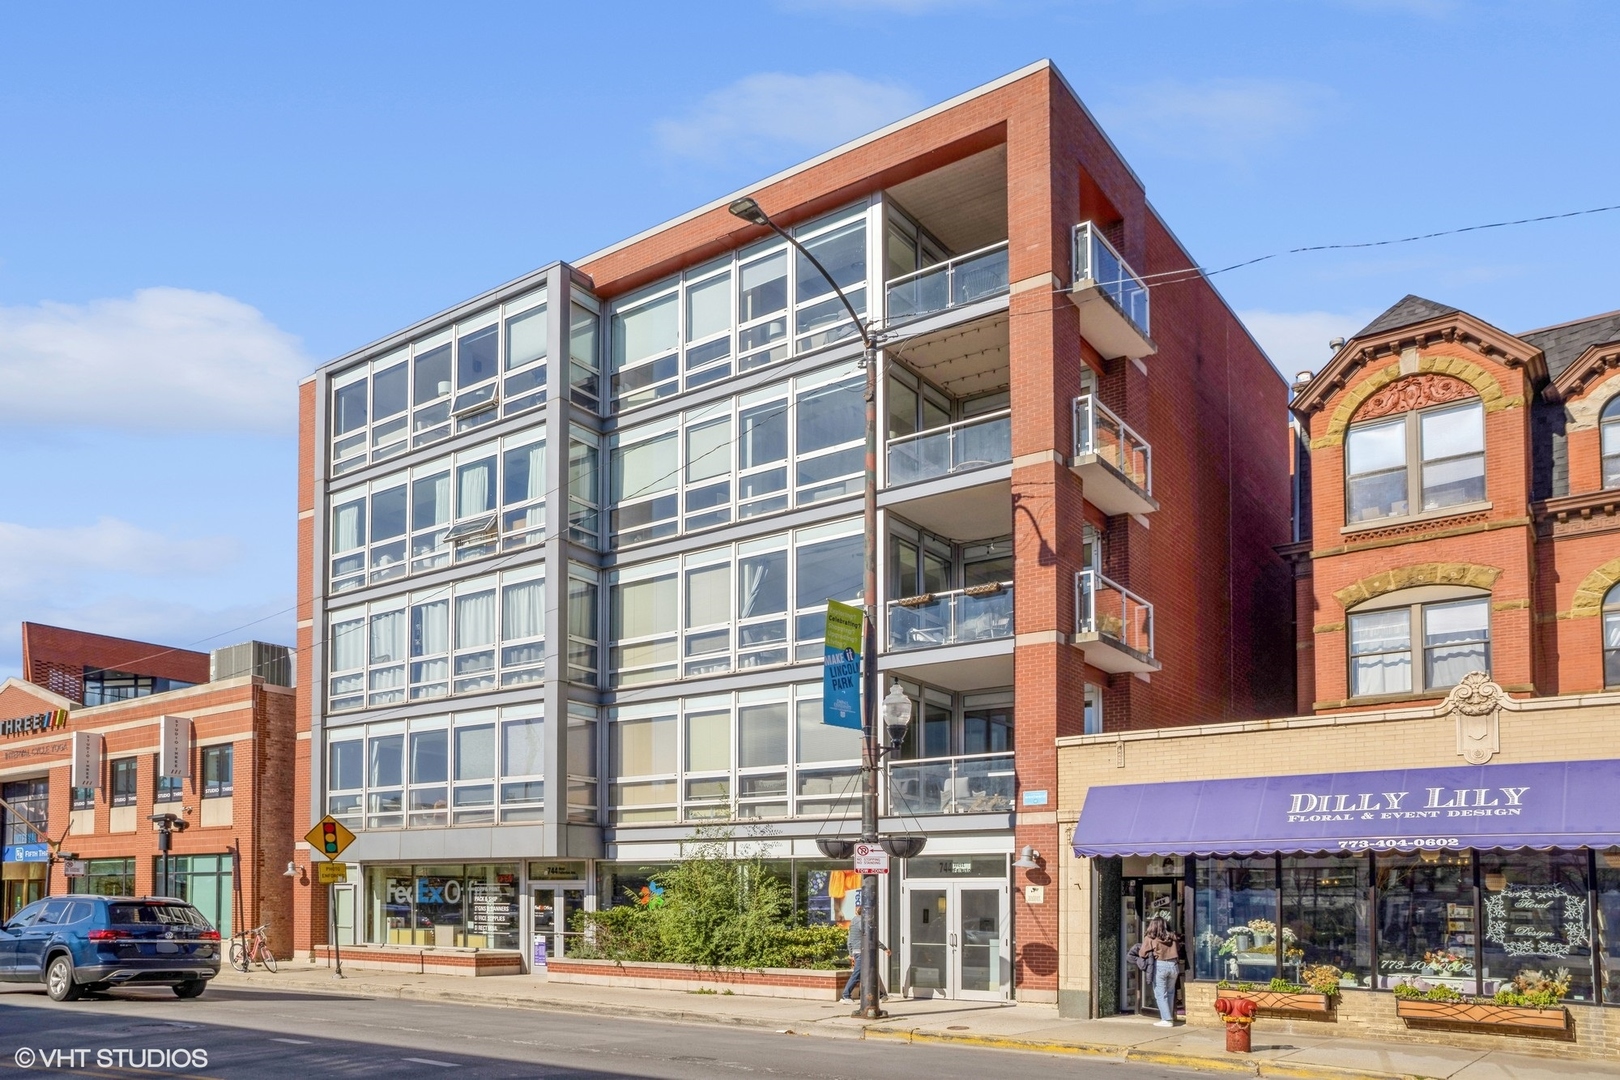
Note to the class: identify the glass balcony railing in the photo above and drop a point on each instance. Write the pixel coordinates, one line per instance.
(1098, 431)
(1096, 261)
(1106, 609)
(967, 444)
(961, 280)
(980, 784)
(981, 613)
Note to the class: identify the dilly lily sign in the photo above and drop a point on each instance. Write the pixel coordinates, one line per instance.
(841, 674)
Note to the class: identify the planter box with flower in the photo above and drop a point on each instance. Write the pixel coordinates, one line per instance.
(1312, 997)
(1531, 1005)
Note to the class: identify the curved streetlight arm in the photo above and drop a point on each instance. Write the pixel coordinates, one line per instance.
(749, 211)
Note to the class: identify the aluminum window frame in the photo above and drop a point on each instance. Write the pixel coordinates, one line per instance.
(1418, 646)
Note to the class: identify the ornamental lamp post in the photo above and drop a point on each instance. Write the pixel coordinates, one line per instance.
(896, 707)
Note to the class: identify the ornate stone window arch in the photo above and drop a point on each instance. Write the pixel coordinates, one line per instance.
(1417, 446)
(1418, 640)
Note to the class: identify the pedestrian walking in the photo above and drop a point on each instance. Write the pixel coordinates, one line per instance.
(855, 944)
(1164, 948)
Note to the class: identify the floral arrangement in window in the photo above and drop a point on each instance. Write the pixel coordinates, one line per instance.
(1263, 926)
(1444, 962)
(1536, 990)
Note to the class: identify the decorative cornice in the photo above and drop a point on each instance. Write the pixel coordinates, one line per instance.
(1590, 367)
(1414, 392)
(1471, 575)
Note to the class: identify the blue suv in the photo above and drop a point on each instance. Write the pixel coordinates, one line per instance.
(76, 944)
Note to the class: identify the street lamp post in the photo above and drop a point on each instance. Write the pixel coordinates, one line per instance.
(872, 751)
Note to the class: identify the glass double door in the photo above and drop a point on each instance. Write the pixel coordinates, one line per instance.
(1145, 900)
(954, 941)
(554, 906)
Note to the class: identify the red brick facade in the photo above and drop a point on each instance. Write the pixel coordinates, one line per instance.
(1544, 541)
(56, 658)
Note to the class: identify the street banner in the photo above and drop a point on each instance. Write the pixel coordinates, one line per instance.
(84, 760)
(174, 747)
(841, 673)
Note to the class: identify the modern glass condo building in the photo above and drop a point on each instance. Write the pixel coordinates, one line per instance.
(566, 548)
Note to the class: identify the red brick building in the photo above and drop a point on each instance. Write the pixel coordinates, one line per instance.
(1463, 510)
(1081, 501)
(237, 746)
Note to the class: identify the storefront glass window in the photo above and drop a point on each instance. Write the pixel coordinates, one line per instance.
(1325, 916)
(105, 877)
(449, 906)
(1426, 919)
(1236, 931)
(1607, 887)
(1536, 918)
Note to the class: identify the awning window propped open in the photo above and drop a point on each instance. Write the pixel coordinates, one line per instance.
(1564, 804)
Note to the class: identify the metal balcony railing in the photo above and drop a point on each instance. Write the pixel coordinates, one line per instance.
(1096, 261)
(961, 280)
(971, 784)
(1107, 609)
(966, 444)
(981, 613)
(1099, 431)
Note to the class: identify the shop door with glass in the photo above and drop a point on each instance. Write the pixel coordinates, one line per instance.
(1155, 898)
(954, 941)
(554, 908)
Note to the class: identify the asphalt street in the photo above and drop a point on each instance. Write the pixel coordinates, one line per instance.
(247, 1033)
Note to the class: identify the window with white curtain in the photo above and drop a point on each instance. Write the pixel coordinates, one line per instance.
(523, 763)
(346, 643)
(348, 540)
(523, 492)
(430, 645)
(1611, 637)
(523, 626)
(388, 504)
(386, 681)
(474, 664)
(430, 515)
(1454, 624)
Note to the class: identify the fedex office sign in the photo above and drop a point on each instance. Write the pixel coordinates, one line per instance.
(1434, 802)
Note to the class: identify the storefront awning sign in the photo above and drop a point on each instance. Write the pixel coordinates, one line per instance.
(1564, 804)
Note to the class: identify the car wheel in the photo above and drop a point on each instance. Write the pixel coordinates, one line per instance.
(191, 989)
(59, 982)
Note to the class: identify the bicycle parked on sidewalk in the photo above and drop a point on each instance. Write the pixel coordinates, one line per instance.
(249, 946)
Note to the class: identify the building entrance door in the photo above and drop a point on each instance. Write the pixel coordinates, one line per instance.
(1146, 899)
(954, 940)
(552, 920)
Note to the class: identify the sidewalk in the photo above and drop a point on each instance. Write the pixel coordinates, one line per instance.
(1008, 1027)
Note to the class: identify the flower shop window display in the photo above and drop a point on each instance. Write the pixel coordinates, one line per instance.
(1320, 903)
(1537, 920)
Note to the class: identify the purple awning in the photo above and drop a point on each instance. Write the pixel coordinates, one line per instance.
(1562, 804)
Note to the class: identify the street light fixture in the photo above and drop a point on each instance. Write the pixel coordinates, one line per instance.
(896, 707)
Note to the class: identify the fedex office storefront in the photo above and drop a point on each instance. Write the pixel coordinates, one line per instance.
(1367, 848)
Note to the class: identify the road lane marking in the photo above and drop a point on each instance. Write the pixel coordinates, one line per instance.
(430, 1061)
(295, 1042)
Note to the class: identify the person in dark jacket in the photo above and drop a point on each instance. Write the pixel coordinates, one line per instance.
(1164, 948)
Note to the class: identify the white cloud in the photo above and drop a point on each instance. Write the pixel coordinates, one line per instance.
(1220, 119)
(1298, 340)
(765, 113)
(163, 359)
(33, 558)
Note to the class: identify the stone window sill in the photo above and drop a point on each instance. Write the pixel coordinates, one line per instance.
(1396, 522)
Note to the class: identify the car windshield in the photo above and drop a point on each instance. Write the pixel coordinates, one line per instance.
(155, 915)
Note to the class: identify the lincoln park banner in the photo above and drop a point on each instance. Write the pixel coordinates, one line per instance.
(841, 674)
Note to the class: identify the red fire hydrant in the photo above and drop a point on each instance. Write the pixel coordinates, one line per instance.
(1238, 1013)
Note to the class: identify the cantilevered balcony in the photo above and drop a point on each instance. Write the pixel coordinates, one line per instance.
(960, 640)
(954, 480)
(1115, 462)
(953, 283)
(1113, 301)
(1113, 626)
(968, 784)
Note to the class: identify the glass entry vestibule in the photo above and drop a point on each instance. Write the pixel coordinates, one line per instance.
(956, 928)
(554, 905)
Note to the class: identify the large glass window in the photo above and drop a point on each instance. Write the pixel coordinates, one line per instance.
(1456, 640)
(1611, 637)
(123, 783)
(1235, 915)
(446, 381)
(732, 315)
(1609, 442)
(1426, 919)
(1606, 888)
(523, 757)
(1424, 460)
(1536, 918)
(1324, 909)
(218, 765)
(642, 749)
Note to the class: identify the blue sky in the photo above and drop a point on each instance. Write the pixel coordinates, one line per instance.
(203, 202)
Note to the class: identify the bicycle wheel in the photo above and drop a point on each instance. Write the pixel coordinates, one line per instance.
(267, 958)
(239, 959)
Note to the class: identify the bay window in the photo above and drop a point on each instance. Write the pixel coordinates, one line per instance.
(1423, 460)
(1455, 640)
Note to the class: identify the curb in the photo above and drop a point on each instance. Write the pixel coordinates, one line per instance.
(1200, 1062)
